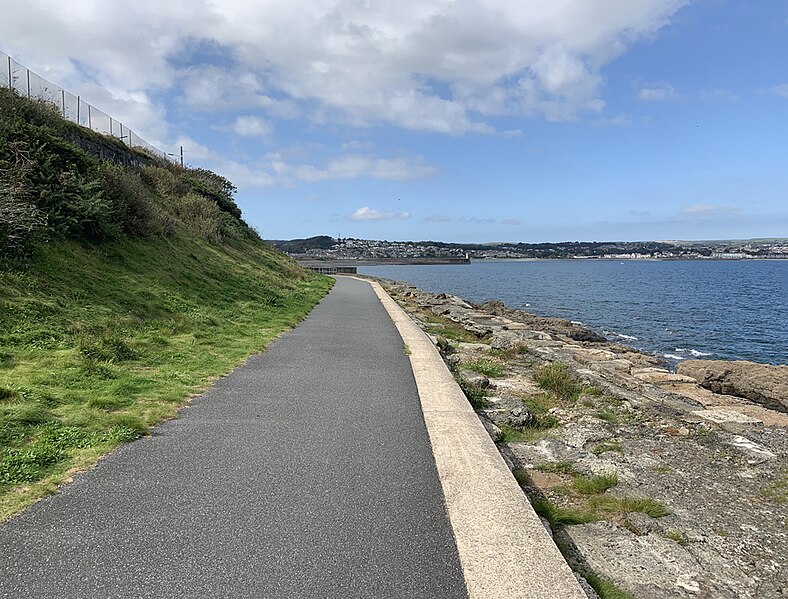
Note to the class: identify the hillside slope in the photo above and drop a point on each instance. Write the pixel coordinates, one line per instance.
(122, 292)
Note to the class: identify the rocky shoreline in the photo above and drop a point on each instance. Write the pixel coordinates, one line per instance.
(652, 485)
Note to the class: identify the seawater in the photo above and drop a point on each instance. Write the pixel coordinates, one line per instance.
(714, 309)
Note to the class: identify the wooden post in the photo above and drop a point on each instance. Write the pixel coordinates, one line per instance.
(63, 101)
(10, 75)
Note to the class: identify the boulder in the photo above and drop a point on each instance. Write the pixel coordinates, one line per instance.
(520, 417)
(762, 383)
(474, 379)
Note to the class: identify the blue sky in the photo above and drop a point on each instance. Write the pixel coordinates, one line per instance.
(464, 121)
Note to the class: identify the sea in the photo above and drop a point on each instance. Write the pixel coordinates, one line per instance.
(678, 310)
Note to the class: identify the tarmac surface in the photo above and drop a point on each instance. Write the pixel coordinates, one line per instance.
(306, 473)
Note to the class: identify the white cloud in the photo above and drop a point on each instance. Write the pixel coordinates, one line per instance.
(511, 221)
(621, 120)
(697, 211)
(273, 170)
(438, 218)
(658, 91)
(252, 126)
(720, 96)
(351, 167)
(365, 213)
(780, 90)
(436, 66)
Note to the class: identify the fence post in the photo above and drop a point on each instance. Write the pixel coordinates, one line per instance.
(10, 75)
(63, 101)
(181, 156)
(78, 100)
(28, 83)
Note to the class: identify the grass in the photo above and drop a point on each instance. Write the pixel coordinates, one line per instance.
(608, 415)
(678, 536)
(663, 470)
(511, 353)
(556, 514)
(541, 403)
(777, 491)
(607, 504)
(448, 329)
(594, 485)
(484, 366)
(529, 434)
(605, 588)
(563, 467)
(556, 379)
(476, 395)
(606, 446)
(100, 342)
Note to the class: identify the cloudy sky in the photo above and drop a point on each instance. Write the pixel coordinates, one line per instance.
(456, 120)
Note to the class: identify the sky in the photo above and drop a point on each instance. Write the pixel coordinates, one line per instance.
(464, 121)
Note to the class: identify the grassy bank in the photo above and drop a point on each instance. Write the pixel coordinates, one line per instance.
(122, 293)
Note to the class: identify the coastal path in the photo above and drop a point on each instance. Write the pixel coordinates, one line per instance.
(307, 472)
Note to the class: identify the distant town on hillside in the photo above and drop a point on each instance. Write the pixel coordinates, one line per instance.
(367, 250)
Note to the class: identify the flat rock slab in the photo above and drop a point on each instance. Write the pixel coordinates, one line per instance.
(305, 473)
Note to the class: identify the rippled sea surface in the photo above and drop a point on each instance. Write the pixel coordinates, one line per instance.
(732, 310)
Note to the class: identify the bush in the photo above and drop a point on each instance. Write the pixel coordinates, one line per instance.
(22, 224)
(132, 200)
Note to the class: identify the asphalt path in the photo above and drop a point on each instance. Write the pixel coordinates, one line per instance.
(305, 473)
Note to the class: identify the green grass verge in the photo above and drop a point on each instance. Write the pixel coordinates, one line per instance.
(100, 342)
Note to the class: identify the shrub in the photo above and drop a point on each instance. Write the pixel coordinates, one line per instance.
(131, 198)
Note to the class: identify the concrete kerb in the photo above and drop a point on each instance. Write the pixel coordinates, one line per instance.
(504, 549)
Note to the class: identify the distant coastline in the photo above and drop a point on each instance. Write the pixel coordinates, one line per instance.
(364, 252)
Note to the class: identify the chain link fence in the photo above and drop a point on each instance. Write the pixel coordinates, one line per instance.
(73, 108)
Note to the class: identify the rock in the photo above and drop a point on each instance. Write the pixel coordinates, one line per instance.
(583, 334)
(508, 339)
(520, 418)
(653, 566)
(587, 588)
(762, 383)
(494, 432)
(474, 379)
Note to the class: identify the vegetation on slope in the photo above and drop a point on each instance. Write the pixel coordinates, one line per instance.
(122, 292)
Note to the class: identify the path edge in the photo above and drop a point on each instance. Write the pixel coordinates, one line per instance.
(505, 551)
